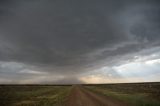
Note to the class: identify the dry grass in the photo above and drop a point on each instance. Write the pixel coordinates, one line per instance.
(33, 95)
(142, 94)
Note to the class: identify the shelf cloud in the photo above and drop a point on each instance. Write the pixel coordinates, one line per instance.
(44, 41)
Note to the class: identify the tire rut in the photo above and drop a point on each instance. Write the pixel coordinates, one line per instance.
(80, 96)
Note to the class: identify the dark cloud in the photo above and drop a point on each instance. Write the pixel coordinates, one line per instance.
(70, 37)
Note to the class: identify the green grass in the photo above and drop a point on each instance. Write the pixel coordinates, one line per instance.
(33, 95)
(136, 95)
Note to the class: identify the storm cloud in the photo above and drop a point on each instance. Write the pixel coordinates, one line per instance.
(44, 38)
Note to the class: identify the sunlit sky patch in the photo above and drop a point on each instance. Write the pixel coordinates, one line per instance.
(63, 42)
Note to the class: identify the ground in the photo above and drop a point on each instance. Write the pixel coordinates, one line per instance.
(131, 94)
(82, 97)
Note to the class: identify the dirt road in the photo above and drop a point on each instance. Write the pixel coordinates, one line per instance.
(82, 97)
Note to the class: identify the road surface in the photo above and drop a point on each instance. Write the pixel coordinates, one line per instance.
(81, 96)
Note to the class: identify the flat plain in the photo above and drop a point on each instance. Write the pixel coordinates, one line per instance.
(126, 94)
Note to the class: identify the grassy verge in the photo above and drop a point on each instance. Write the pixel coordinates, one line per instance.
(33, 95)
(134, 97)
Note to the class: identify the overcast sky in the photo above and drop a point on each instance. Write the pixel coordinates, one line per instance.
(79, 41)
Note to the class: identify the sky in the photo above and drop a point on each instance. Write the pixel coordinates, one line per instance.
(79, 41)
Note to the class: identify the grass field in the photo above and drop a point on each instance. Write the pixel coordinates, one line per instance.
(136, 94)
(33, 95)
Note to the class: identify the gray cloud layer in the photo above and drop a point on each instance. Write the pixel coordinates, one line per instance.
(71, 37)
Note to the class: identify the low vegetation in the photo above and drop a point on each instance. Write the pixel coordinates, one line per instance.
(140, 94)
(33, 95)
